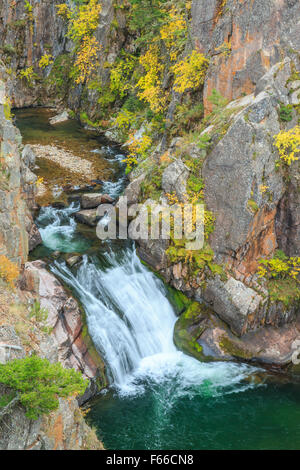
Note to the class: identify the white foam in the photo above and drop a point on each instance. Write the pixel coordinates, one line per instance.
(132, 323)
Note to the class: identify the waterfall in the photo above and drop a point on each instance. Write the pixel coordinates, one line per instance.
(131, 323)
(128, 314)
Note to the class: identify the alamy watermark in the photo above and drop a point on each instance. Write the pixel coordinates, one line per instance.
(296, 352)
(152, 221)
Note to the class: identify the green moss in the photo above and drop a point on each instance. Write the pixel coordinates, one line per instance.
(252, 205)
(234, 349)
(284, 290)
(295, 75)
(151, 187)
(195, 184)
(59, 77)
(8, 49)
(286, 112)
(189, 328)
(6, 398)
(179, 301)
(19, 24)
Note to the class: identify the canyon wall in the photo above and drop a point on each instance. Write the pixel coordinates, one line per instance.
(251, 196)
(67, 340)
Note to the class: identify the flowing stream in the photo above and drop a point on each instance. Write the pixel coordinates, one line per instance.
(159, 398)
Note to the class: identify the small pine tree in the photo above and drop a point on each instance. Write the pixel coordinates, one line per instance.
(39, 384)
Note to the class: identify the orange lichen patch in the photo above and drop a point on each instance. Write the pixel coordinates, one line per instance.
(57, 432)
(261, 243)
(265, 59)
(225, 68)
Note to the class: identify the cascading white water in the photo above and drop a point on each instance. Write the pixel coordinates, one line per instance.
(57, 227)
(131, 323)
(129, 317)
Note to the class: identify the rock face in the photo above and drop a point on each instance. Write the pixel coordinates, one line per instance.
(10, 344)
(26, 36)
(257, 33)
(239, 166)
(63, 429)
(68, 342)
(200, 333)
(17, 186)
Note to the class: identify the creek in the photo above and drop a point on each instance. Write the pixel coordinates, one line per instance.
(159, 398)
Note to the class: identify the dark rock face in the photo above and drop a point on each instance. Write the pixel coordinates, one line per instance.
(35, 238)
(239, 166)
(30, 40)
(287, 223)
(28, 37)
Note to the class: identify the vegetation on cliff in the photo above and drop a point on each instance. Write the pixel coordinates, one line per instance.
(38, 384)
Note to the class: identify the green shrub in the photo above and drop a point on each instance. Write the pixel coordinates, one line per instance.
(39, 383)
(286, 113)
(37, 312)
(133, 104)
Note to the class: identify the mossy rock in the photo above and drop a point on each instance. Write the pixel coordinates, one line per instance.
(189, 328)
(101, 381)
(286, 291)
(179, 301)
(235, 348)
(294, 369)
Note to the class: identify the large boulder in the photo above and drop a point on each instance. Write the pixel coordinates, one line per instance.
(234, 302)
(133, 190)
(87, 217)
(62, 117)
(28, 156)
(93, 200)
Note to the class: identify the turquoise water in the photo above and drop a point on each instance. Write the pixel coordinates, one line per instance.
(265, 417)
(160, 398)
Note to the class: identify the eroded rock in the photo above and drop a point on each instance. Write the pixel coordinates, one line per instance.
(93, 200)
(87, 217)
(61, 117)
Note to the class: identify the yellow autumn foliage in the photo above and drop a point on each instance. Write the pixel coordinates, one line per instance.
(190, 72)
(84, 20)
(288, 144)
(138, 148)
(46, 60)
(9, 271)
(86, 59)
(151, 83)
(277, 268)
